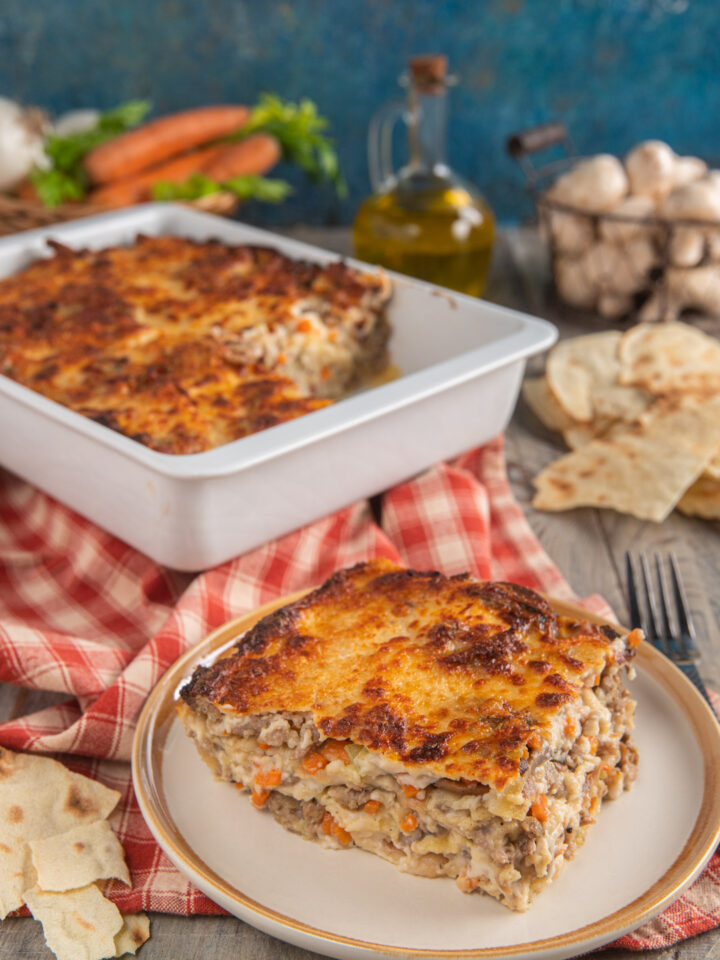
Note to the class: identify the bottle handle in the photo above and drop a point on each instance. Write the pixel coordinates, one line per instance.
(380, 134)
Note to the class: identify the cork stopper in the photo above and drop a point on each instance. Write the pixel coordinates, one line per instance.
(428, 72)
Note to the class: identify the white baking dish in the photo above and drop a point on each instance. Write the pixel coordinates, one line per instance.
(461, 360)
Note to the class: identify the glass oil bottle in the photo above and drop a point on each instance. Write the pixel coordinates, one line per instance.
(423, 220)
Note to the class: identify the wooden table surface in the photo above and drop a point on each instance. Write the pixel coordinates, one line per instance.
(587, 545)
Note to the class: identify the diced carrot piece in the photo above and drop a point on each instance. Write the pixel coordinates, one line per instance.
(304, 326)
(570, 727)
(327, 824)
(534, 740)
(409, 790)
(239, 786)
(281, 358)
(258, 798)
(333, 335)
(409, 823)
(594, 804)
(634, 638)
(341, 835)
(264, 746)
(539, 809)
(270, 779)
(593, 745)
(372, 806)
(335, 750)
(314, 762)
(325, 373)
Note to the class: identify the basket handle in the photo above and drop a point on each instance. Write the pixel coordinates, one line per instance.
(523, 144)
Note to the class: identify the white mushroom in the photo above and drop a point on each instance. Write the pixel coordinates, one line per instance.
(620, 270)
(695, 288)
(573, 284)
(571, 232)
(654, 169)
(699, 200)
(612, 305)
(592, 185)
(620, 231)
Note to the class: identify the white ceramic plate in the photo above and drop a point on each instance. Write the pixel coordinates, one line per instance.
(645, 849)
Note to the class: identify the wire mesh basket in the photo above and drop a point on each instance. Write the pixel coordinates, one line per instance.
(620, 264)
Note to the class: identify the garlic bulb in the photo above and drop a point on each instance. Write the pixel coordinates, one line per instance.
(22, 139)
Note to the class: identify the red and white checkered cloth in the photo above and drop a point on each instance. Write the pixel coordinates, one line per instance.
(85, 614)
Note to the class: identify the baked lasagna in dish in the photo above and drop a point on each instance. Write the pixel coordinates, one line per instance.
(456, 728)
(186, 345)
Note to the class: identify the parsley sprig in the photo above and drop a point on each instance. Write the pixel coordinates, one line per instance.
(246, 188)
(299, 128)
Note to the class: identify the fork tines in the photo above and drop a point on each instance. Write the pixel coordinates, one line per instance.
(666, 623)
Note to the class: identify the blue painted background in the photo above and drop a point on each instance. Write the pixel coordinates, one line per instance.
(615, 71)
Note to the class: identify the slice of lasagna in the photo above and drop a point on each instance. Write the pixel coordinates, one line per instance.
(456, 728)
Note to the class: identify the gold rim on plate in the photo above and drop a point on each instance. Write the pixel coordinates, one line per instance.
(159, 712)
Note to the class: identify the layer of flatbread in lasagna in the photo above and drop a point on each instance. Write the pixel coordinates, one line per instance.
(454, 727)
(185, 345)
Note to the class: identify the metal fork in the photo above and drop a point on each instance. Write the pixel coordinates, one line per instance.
(672, 635)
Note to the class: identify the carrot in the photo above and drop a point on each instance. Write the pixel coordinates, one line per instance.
(341, 834)
(335, 750)
(270, 779)
(123, 193)
(409, 823)
(409, 790)
(371, 806)
(258, 798)
(314, 762)
(256, 155)
(160, 139)
(539, 809)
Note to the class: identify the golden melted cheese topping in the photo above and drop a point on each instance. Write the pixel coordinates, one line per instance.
(448, 675)
(148, 339)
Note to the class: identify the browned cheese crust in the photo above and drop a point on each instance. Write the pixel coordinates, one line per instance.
(456, 677)
(184, 345)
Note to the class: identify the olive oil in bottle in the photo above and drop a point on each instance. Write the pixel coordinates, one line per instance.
(423, 220)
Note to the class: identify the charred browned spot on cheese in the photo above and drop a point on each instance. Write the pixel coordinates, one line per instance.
(516, 679)
(373, 689)
(552, 699)
(555, 680)
(77, 803)
(479, 647)
(571, 662)
(15, 814)
(434, 747)
(609, 632)
(539, 666)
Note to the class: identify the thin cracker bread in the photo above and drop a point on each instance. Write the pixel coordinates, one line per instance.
(668, 357)
(39, 797)
(643, 471)
(77, 857)
(133, 933)
(583, 376)
(78, 924)
(542, 402)
(702, 499)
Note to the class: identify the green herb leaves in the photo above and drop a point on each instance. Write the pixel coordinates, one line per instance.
(66, 178)
(247, 188)
(299, 129)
